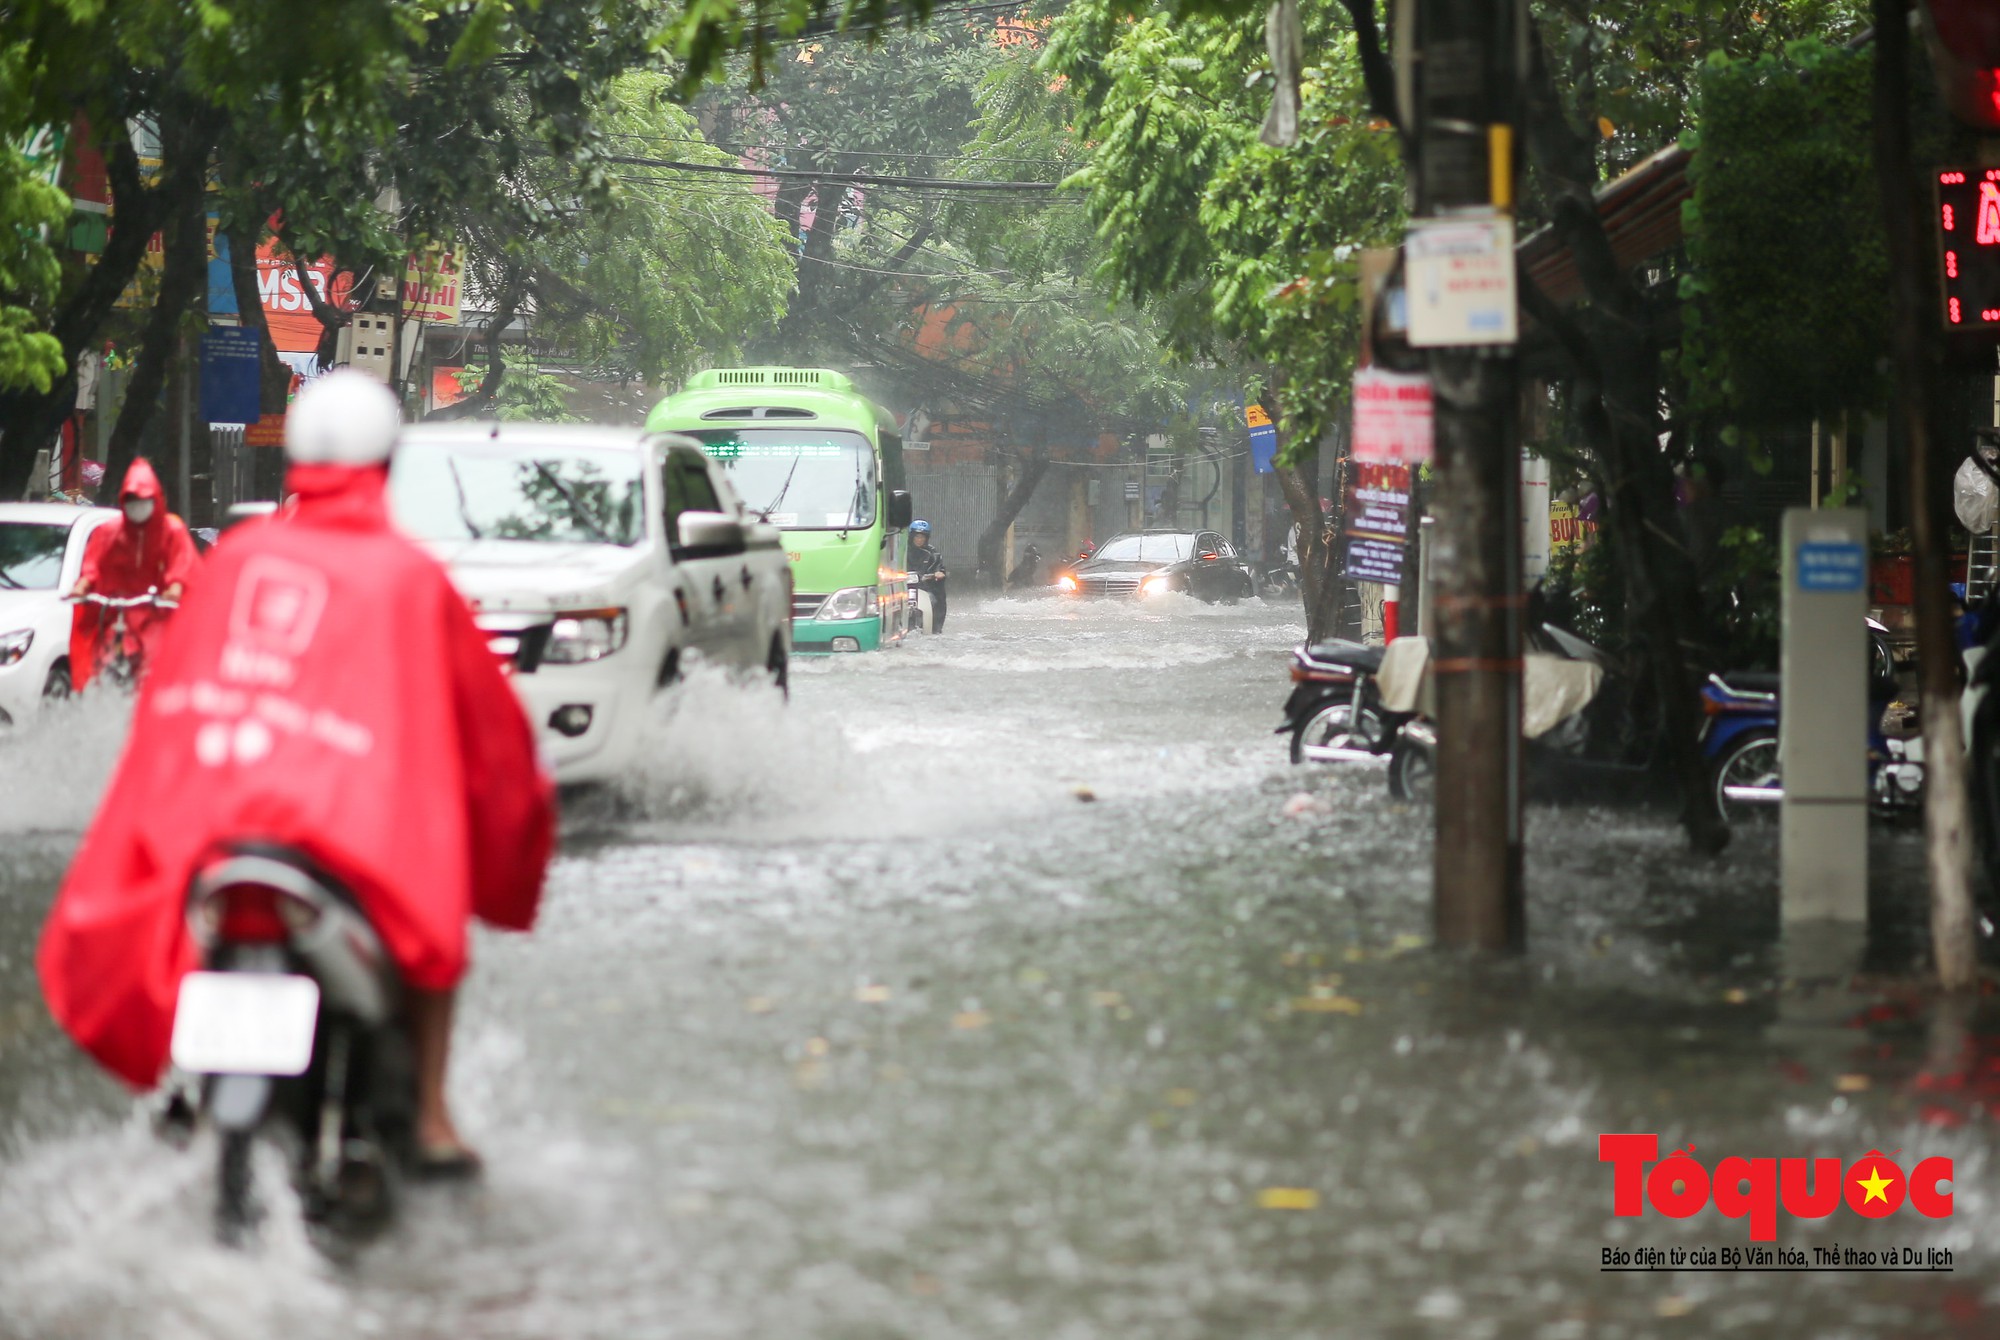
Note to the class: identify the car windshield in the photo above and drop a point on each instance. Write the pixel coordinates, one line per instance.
(799, 478)
(1146, 549)
(31, 555)
(544, 494)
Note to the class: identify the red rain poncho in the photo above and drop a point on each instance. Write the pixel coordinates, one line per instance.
(121, 559)
(324, 687)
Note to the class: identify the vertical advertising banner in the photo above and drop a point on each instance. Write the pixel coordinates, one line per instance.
(1377, 523)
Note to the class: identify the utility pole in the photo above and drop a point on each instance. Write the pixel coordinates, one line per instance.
(1463, 74)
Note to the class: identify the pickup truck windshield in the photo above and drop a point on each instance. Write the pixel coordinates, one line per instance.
(31, 555)
(799, 478)
(548, 495)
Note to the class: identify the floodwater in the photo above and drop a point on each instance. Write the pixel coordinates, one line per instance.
(1012, 984)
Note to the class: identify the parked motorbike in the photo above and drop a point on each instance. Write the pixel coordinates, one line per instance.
(1589, 725)
(1335, 713)
(293, 1028)
(1278, 580)
(122, 659)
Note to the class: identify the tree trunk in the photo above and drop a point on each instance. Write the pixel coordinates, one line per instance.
(28, 419)
(183, 280)
(1612, 345)
(1946, 816)
(481, 401)
(1033, 466)
(274, 375)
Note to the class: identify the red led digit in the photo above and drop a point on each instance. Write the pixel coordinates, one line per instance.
(1949, 225)
(1955, 317)
(1951, 264)
(1986, 232)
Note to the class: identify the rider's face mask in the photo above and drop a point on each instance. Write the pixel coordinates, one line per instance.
(138, 510)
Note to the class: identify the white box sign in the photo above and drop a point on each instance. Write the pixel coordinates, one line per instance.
(1459, 273)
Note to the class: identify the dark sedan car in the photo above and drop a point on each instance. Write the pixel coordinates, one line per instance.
(1200, 563)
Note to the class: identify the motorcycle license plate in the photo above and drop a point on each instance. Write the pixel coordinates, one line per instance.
(245, 1023)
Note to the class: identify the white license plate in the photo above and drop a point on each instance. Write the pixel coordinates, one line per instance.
(245, 1023)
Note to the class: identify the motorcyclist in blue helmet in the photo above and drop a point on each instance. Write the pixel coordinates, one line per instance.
(927, 568)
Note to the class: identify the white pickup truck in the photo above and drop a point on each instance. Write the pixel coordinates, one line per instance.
(603, 562)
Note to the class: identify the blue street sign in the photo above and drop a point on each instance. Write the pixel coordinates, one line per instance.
(1264, 447)
(231, 390)
(1825, 566)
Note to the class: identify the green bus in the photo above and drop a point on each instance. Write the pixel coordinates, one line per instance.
(824, 464)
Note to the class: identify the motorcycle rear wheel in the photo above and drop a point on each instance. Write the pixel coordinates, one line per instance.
(1751, 760)
(1413, 773)
(235, 1203)
(1327, 728)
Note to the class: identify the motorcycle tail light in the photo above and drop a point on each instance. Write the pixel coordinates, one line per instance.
(250, 914)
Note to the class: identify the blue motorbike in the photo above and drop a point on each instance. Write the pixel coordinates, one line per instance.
(1739, 739)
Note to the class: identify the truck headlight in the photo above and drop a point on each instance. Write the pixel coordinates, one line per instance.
(853, 602)
(585, 635)
(14, 645)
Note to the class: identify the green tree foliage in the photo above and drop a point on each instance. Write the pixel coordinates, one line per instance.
(1787, 284)
(31, 210)
(1172, 109)
(639, 276)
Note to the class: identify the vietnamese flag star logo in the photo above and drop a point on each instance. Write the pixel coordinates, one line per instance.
(1876, 1185)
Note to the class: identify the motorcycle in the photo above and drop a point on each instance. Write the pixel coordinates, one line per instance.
(292, 1029)
(920, 606)
(1278, 580)
(1740, 740)
(123, 658)
(1335, 712)
(1587, 724)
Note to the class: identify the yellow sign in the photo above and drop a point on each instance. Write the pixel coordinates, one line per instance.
(431, 290)
(1255, 417)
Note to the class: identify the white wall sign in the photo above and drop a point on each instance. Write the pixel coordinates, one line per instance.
(1393, 419)
(1460, 277)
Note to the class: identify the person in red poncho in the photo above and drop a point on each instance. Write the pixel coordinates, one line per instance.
(324, 688)
(146, 549)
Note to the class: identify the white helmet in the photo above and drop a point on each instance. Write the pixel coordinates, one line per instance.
(343, 418)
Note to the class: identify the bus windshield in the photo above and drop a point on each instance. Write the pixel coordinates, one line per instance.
(798, 478)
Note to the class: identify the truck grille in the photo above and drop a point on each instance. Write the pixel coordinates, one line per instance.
(805, 606)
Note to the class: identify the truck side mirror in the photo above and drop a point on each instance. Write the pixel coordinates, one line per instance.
(710, 534)
(901, 509)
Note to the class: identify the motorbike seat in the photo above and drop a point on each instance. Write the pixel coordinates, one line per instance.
(1751, 681)
(1348, 655)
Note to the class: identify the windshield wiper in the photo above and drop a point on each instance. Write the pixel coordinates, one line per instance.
(773, 505)
(464, 509)
(576, 507)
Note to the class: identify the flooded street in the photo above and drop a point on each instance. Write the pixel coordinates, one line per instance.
(1012, 985)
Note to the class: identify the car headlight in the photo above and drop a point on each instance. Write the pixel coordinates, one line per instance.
(585, 635)
(853, 602)
(1155, 585)
(1066, 582)
(14, 645)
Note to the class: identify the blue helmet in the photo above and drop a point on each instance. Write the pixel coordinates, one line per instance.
(920, 528)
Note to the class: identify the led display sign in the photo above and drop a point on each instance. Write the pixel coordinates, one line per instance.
(1968, 231)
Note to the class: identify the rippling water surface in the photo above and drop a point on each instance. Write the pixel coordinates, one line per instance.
(1011, 984)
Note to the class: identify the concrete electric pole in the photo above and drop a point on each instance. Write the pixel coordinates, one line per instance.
(1462, 81)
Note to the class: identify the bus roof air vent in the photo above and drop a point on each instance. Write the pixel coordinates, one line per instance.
(760, 412)
(823, 379)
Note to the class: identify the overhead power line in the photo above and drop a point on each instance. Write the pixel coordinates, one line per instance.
(835, 178)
